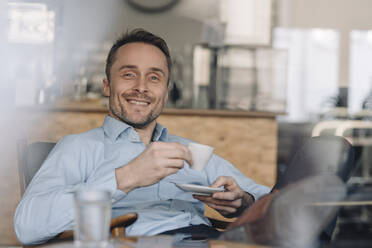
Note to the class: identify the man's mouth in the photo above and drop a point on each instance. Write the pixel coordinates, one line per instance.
(138, 102)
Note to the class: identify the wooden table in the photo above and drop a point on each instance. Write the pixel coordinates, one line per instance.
(161, 241)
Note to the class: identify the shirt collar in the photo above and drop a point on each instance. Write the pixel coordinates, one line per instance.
(160, 133)
(113, 128)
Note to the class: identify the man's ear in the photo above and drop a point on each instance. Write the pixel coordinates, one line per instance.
(106, 87)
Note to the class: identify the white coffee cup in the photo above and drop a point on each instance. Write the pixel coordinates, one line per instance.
(200, 155)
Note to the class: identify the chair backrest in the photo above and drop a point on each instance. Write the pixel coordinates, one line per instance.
(320, 155)
(30, 158)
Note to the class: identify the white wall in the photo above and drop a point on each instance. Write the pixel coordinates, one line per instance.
(92, 19)
(90, 23)
(339, 14)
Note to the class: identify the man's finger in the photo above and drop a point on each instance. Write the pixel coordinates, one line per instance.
(177, 150)
(235, 203)
(222, 181)
(170, 171)
(229, 195)
(174, 153)
(173, 163)
(229, 210)
(187, 155)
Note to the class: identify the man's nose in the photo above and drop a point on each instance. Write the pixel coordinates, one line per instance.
(141, 85)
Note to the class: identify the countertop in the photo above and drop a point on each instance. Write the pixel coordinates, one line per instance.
(95, 106)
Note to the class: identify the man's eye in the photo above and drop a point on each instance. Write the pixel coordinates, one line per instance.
(154, 78)
(128, 75)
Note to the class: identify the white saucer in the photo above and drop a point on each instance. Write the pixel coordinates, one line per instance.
(198, 189)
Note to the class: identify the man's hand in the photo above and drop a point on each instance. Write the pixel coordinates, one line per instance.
(230, 203)
(159, 160)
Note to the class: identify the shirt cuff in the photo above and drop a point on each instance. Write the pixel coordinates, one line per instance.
(259, 192)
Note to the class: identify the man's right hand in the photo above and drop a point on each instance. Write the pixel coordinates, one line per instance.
(159, 160)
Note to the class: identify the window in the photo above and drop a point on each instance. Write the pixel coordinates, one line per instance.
(30, 23)
(312, 69)
(360, 69)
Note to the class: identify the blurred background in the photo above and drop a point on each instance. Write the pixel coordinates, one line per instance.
(272, 72)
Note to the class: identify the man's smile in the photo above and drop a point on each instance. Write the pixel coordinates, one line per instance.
(138, 102)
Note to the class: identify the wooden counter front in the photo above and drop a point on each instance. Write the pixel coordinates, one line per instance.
(246, 139)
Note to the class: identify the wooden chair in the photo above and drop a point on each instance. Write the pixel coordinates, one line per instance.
(31, 157)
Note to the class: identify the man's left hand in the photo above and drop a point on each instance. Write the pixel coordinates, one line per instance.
(230, 203)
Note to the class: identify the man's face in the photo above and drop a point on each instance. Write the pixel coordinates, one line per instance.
(138, 84)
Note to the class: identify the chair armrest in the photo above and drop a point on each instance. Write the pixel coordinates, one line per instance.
(66, 235)
(123, 220)
(117, 226)
(219, 224)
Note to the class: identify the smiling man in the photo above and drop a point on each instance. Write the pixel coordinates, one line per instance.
(137, 85)
(133, 157)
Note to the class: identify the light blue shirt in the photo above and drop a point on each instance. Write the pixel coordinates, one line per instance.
(89, 160)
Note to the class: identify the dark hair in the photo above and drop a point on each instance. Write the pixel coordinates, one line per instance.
(138, 35)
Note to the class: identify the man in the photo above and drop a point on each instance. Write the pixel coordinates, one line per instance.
(133, 157)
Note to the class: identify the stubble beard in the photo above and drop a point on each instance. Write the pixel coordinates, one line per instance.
(119, 111)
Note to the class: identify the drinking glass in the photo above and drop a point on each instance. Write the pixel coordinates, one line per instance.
(92, 217)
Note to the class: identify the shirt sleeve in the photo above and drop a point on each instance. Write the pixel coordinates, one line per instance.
(217, 166)
(47, 207)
